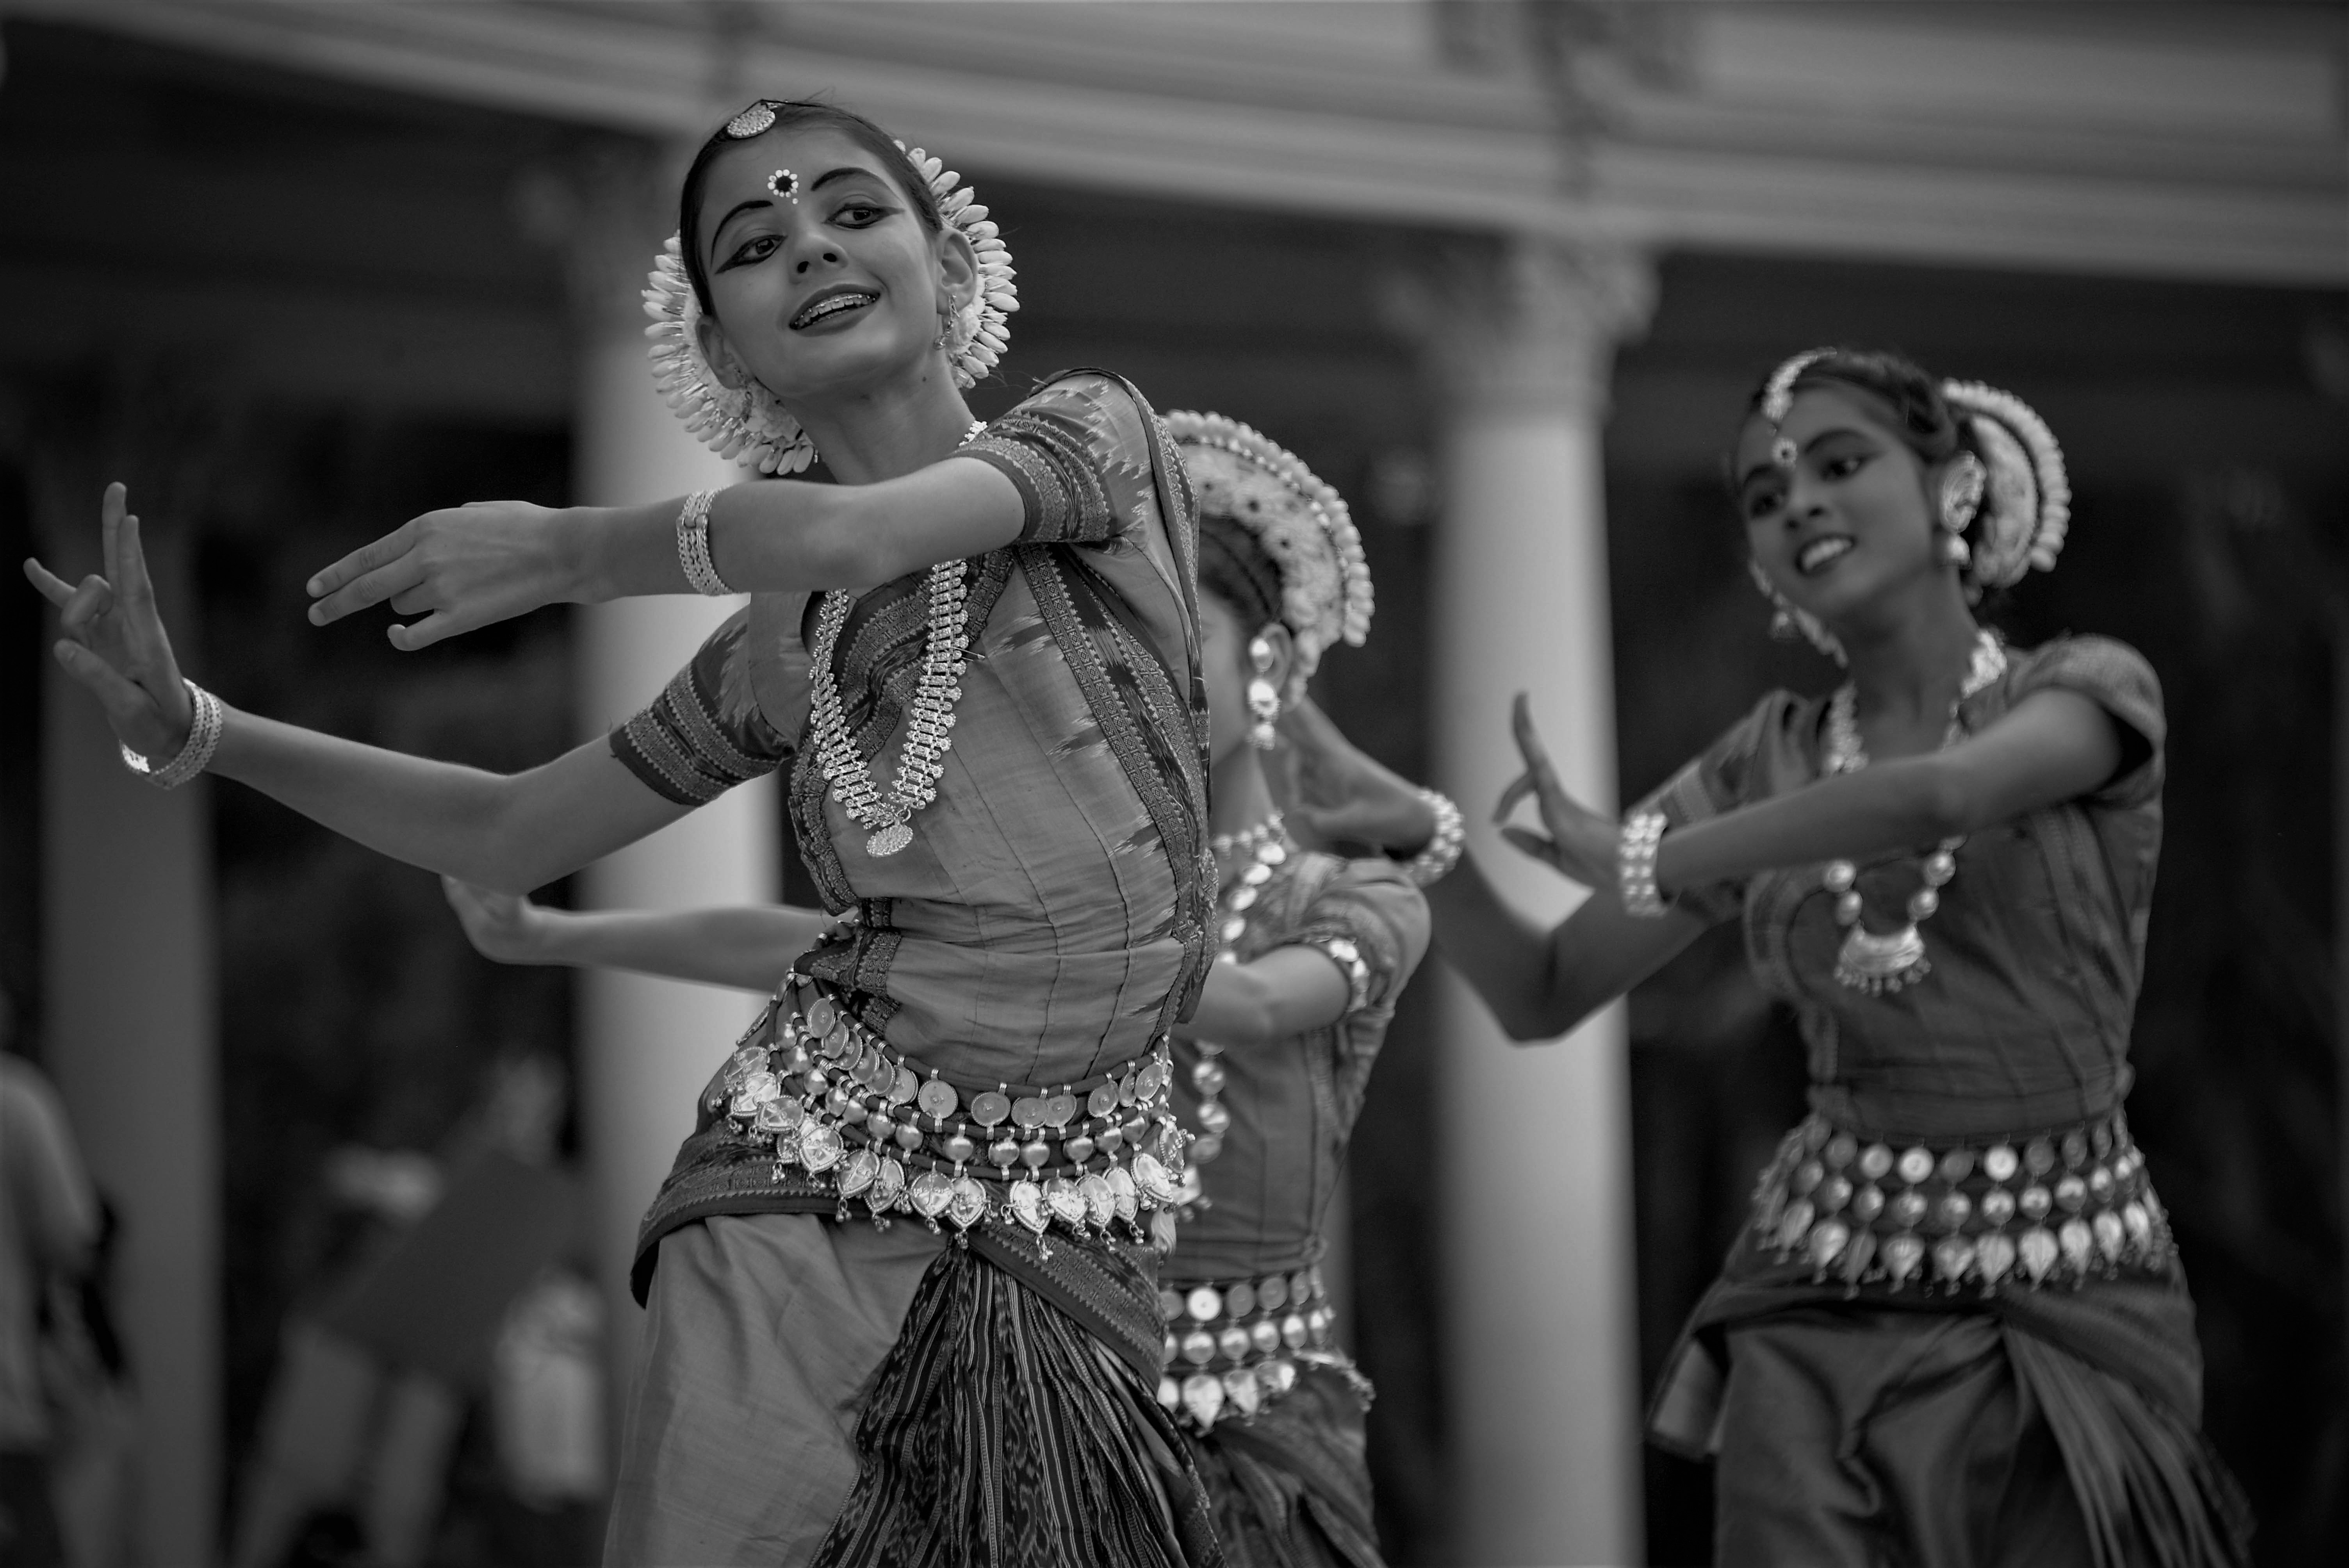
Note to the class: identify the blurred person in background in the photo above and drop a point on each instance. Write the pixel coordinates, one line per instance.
(1014, 606)
(1955, 1328)
(1313, 950)
(49, 1229)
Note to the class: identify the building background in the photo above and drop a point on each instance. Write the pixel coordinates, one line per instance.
(1504, 272)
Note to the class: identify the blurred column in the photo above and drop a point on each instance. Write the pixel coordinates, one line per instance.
(129, 960)
(1542, 1354)
(647, 1045)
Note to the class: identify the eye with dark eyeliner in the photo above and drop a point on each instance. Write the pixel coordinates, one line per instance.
(742, 257)
(872, 212)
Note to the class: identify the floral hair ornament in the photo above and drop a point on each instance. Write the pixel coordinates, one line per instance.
(751, 426)
(1302, 525)
(1778, 400)
(2026, 502)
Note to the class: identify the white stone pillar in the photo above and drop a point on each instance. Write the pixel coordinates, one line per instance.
(1542, 1357)
(647, 1045)
(130, 983)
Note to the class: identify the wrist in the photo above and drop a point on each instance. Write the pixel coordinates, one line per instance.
(585, 549)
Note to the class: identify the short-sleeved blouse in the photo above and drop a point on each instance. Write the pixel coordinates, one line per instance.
(2037, 950)
(1293, 1102)
(1049, 919)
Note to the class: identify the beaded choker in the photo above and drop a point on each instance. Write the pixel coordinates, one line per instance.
(888, 821)
(1875, 962)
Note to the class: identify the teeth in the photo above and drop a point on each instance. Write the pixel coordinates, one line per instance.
(1819, 553)
(831, 306)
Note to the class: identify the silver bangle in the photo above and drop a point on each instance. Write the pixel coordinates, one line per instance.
(1635, 864)
(693, 546)
(204, 738)
(1435, 863)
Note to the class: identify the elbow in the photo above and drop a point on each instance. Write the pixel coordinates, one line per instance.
(843, 551)
(1946, 803)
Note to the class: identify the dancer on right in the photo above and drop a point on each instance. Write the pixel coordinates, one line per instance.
(1955, 1329)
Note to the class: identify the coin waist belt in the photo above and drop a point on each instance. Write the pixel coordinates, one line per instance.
(2057, 1207)
(835, 1101)
(1233, 1349)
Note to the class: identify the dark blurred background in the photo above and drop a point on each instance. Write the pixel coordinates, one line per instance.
(292, 309)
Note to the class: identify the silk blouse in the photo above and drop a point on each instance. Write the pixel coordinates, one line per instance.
(2037, 949)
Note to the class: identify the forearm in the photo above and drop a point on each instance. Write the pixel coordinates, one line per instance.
(1891, 807)
(512, 833)
(791, 536)
(1506, 957)
(750, 948)
(1275, 997)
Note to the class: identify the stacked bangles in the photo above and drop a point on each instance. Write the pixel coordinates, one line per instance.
(204, 738)
(1635, 864)
(1435, 863)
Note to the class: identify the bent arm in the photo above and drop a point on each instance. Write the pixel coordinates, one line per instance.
(512, 832)
(2052, 745)
(749, 947)
(1540, 983)
(1278, 995)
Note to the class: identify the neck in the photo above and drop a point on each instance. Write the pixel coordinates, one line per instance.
(1910, 660)
(880, 432)
(1236, 785)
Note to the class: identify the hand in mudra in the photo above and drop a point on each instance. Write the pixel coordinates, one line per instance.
(461, 569)
(1579, 842)
(114, 642)
(1341, 794)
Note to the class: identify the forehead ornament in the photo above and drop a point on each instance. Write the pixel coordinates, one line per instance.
(1301, 524)
(752, 121)
(784, 185)
(750, 425)
(1778, 400)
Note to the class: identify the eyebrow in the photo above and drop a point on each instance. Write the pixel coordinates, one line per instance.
(843, 173)
(1758, 469)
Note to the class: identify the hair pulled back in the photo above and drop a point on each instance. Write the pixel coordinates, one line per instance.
(1235, 567)
(1897, 387)
(794, 114)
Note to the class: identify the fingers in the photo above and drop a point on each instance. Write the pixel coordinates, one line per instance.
(396, 577)
(1519, 788)
(423, 633)
(84, 605)
(110, 509)
(51, 587)
(1527, 841)
(126, 702)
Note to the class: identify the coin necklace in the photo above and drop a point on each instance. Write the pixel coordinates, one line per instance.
(1267, 846)
(929, 722)
(1870, 961)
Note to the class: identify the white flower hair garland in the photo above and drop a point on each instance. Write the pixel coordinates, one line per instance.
(1302, 524)
(751, 427)
(2027, 508)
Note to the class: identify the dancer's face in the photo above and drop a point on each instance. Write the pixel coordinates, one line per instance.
(1849, 522)
(829, 294)
(1225, 636)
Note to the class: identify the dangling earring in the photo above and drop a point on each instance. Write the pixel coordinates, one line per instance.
(1955, 550)
(948, 315)
(1262, 700)
(1787, 623)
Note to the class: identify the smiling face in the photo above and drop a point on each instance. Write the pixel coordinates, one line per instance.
(835, 292)
(1851, 523)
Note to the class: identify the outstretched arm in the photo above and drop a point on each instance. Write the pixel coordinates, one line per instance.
(470, 565)
(1278, 995)
(514, 832)
(749, 947)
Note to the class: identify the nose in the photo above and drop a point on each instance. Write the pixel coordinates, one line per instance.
(811, 251)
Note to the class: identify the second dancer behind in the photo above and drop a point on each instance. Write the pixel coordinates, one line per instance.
(1270, 1071)
(1004, 777)
(1955, 1327)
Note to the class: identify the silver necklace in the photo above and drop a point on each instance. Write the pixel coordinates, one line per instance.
(887, 820)
(1877, 962)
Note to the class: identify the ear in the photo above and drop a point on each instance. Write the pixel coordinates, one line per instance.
(719, 353)
(1283, 650)
(957, 267)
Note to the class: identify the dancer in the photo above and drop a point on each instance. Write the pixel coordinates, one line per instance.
(1002, 796)
(1270, 1070)
(1955, 1328)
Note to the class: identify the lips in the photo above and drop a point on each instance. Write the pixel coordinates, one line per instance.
(1821, 554)
(833, 302)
